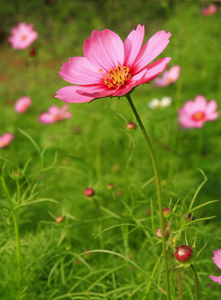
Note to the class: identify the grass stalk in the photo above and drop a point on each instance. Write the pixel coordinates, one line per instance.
(196, 282)
(158, 186)
(16, 228)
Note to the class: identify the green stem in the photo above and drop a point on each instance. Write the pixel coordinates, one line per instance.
(160, 202)
(16, 228)
(196, 282)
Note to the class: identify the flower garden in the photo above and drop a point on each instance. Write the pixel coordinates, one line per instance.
(110, 150)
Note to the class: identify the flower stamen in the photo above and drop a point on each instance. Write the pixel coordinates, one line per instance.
(198, 116)
(117, 77)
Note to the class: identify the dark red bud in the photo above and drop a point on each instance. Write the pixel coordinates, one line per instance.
(131, 126)
(183, 253)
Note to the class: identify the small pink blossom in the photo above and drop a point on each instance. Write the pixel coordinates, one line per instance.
(55, 114)
(210, 10)
(22, 104)
(168, 77)
(22, 36)
(111, 67)
(196, 112)
(5, 139)
(217, 260)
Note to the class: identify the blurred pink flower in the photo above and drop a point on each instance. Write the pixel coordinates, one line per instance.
(210, 10)
(195, 113)
(22, 36)
(168, 77)
(22, 104)
(217, 261)
(111, 67)
(55, 114)
(5, 139)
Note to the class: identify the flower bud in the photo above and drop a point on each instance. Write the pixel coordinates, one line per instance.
(59, 219)
(131, 126)
(159, 233)
(183, 253)
(110, 185)
(88, 192)
(167, 212)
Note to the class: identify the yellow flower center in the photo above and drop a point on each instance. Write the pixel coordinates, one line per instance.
(23, 37)
(117, 77)
(57, 117)
(198, 116)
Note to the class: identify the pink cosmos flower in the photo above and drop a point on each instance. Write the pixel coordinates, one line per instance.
(113, 68)
(210, 10)
(5, 139)
(217, 261)
(195, 113)
(55, 114)
(168, 77)
(22, 36)
(22, 104)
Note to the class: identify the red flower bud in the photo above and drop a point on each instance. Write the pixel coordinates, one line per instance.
(131, 125)
(183, 253)
(89, 192)
(166, 212)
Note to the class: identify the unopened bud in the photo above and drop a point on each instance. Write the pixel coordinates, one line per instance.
(59, 219)
(110, 186)
(167, 212)
(88, 192)
(159, 233)
(183, 253)
(131, 126)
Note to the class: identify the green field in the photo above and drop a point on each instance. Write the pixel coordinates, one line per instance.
(106, 247)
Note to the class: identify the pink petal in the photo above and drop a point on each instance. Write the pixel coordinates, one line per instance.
(97, 91)
(70, 94)
(155, 69)
(212, 116)
(216, 279)
(46, 118)
(133, 44)
(104, 49)
(200, 102)
(153, 47)
(217, 257)
(211, 106)
(54, 109)
(5, 139)
(174, 72)
(80, 71)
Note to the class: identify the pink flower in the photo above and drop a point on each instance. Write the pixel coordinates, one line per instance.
(55, 114)
(195, 113)
(22, 104)
(168, 77)
(113, 68)
(22, 36)
(5, 139)
(210, 10)
(217, 261)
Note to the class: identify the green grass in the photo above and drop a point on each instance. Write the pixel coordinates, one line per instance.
(94, 148)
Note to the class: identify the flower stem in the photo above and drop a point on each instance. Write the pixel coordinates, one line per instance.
(158, 186)
(196, 282)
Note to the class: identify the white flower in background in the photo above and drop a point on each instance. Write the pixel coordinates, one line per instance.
(156, 103)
